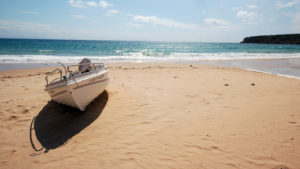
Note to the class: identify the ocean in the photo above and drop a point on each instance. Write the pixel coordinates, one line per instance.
(72, 51)
(269, 58)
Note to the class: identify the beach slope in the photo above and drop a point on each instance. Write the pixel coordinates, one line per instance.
(154, 116)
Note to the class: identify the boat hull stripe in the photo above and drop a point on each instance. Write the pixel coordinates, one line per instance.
(99, 81)
(51, 84)
(59, 93)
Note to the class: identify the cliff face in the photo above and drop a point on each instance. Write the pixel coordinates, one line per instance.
(274, 39)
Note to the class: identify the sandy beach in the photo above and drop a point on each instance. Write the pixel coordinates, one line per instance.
(154, 115)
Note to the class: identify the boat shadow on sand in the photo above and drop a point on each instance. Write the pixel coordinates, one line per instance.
(56, 124)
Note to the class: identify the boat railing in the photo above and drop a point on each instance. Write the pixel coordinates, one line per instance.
(94, 66)
(51, 73)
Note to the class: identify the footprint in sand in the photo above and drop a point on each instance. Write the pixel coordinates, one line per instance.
(294, 123)
(25, 111)
(280, 167)
(145, 122)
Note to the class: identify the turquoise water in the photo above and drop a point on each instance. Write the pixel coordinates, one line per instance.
(52, 51)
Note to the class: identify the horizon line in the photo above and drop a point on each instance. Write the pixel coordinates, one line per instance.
(161, 41)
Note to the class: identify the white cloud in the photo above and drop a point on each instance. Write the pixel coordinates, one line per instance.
(17, 29)
(104, 4)
(15, 25)
(76, 3)
(248, 17)
(245, 14)
(219, 24)
(280, 4)
(252, 6)
(92, 3)
(296, 22)
(213, 21)
(165, 22)
(82, 4)
(20, 29)
(79, 16)
(111, 12)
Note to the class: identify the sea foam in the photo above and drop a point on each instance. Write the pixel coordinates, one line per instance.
(140, 57)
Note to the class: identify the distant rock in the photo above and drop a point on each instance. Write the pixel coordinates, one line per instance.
(274, 39)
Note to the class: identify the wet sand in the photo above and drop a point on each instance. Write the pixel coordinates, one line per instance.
(288, 67)
(154, 115)
(20, 66)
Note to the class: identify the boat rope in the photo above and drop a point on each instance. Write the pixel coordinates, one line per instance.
(75, 81)
(30, 132)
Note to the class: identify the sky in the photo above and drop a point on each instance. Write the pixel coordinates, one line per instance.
(148, 20)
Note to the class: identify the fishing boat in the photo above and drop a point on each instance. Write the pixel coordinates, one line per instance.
(77, 88)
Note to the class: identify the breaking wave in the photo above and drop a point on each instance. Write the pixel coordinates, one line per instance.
(141, 57)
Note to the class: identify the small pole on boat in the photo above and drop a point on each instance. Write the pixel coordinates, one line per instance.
(64, 67)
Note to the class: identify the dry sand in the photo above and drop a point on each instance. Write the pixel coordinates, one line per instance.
(154, 116)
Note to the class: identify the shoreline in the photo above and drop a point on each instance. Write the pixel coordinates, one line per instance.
(286, 67)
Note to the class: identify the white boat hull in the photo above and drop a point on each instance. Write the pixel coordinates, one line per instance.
(79, 91)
